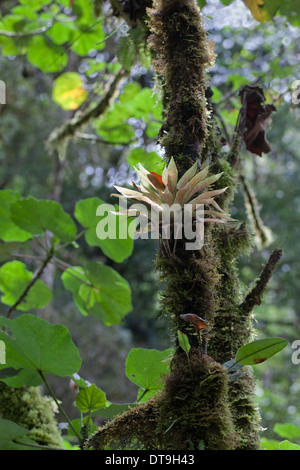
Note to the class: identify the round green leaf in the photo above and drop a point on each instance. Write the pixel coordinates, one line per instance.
(117, 249)
(145, 367)
(259, 351)
(9, 231)
(38, 215)
(69, 91)
(14, 279)
(90, 399)
(38, 345)
(99, 291)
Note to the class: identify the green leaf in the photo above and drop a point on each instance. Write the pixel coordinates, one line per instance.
(9, 433)
(269, 444)
(117, 249)
(288, 430)
(35, 344)
(146, 367)
(9, 231)
(286, 445)
(259, 351)
(90, 399)
(46, 55)
(99, 291)
(20, 378)
(14, 279)
(35, 4)
(184, 341)
(37, 215)
(68, 91)
(150, 160)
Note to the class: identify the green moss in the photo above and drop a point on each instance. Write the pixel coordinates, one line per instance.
(194, 409)
(134, 429)
(27, 407)
(182, 53)
(191, 410)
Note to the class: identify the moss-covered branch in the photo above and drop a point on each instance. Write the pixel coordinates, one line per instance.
(68, 129)
(255, 295)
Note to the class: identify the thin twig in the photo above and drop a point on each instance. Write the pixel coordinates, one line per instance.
(30, 285)
(255, 295)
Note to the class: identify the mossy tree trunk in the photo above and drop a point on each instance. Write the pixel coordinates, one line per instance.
(198, 407)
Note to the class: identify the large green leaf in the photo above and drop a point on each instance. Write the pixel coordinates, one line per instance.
(37, 215)
(46, 55)
(14, 279)
(146, 367)
(259, 351)
(11, 435)
(9, 231)
(287, 430)
(36, 345)
(99, 291)
(116, 248)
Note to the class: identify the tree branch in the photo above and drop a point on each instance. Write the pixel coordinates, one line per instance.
(13, 34)
(254, 296)
(69, 128)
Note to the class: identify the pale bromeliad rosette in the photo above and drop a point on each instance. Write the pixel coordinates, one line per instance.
(156, 194)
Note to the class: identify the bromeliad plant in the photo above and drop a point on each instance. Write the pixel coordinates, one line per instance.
(160, 193)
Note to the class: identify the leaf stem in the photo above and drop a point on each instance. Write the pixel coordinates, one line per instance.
(59, 405)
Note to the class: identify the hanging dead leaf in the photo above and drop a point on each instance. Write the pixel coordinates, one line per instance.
(253, 119)
(197, 322)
